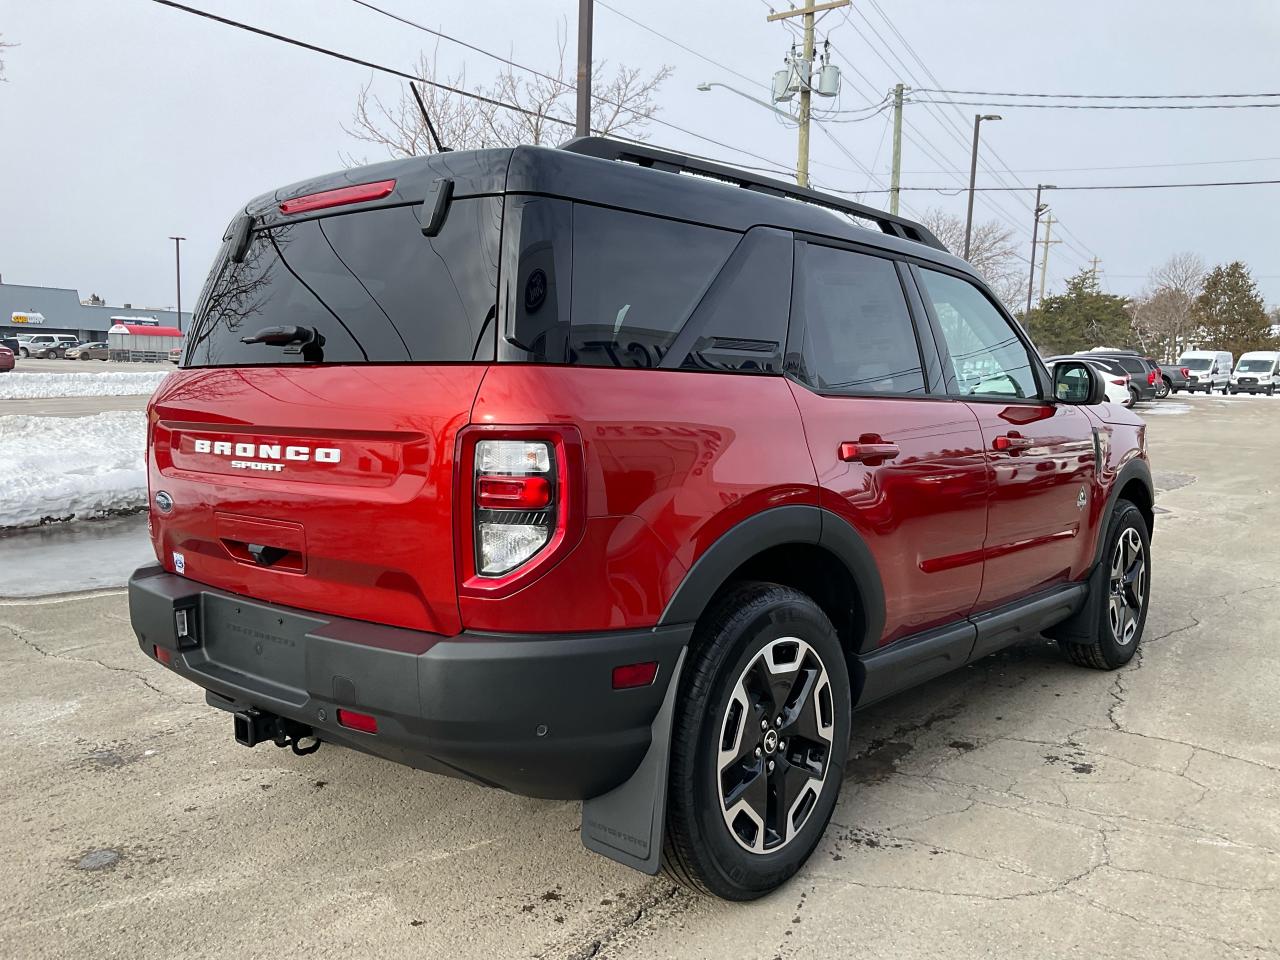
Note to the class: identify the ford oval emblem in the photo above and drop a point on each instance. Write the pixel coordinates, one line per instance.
(164, 502)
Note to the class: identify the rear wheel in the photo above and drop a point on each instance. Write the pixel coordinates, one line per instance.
(759, 743)
(1163, 388)
(1127, 577)
(84, 356)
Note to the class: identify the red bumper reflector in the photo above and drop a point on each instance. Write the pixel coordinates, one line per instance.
(512, 493)
(336, 198)
(164, 655)
(634, 675)
(357, 721)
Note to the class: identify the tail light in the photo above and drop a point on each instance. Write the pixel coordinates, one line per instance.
(1152, 377)
(1186, 372)
(515, 503)
(1121, 383)
(521, 504)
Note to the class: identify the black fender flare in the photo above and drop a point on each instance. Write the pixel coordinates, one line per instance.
(776, 527)
(1136, 469)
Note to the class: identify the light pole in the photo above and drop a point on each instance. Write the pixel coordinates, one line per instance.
(705, 87)
(973, 175)
(585, 15)
(177, 269)
(1035, 229)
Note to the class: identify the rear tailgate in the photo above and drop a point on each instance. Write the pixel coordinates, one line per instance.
(306, 449)
(324, 488)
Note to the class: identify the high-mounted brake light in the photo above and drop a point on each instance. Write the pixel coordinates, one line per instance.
(336, 198)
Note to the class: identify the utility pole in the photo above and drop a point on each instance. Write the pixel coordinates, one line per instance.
(586, 9)
(973, 175)
(1044, 264)
(1093, 268)
(895, 176)
(806, 77)
(177, 267)
(1035, 227)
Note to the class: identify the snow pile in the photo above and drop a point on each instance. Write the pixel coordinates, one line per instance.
(42, 386)
(59, 468)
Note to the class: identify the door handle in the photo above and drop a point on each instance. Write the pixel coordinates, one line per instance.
(1012, 442)
(867, 452)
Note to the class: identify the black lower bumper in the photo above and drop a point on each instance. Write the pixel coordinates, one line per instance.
(533, 714)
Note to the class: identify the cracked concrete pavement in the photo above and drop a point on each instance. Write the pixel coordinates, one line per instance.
(1021, 807)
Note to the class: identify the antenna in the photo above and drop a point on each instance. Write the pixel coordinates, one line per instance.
(440, 148)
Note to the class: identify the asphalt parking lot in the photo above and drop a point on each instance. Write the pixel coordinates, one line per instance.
(1019, 808)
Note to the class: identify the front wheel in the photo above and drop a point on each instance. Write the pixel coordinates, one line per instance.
(84, 356)
(24, 353)
(1127, 579)
(759, 743)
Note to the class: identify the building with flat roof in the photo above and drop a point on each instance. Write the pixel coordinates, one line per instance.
(59, 310)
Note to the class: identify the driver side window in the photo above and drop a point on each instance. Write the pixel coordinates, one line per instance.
(987, 356)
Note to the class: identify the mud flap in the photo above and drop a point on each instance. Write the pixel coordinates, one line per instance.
(626, 823)
(1082, 626)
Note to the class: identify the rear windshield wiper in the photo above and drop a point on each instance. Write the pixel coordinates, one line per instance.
(307, 341)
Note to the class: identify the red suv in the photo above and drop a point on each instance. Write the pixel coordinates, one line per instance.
(606, 474)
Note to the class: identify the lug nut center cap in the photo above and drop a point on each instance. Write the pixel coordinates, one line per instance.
(770, 742)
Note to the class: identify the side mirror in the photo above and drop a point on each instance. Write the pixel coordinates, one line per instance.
(1077, 383)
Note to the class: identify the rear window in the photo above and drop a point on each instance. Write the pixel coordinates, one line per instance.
(369, 282)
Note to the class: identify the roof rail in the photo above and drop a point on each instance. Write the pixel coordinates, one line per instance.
(605, 148)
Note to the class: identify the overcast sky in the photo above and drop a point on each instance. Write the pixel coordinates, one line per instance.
(125, 121)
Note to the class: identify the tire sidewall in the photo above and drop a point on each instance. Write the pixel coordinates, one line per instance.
(1127, 516)
(754, 874)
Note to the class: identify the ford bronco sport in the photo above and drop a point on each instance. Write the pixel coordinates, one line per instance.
(606, 474)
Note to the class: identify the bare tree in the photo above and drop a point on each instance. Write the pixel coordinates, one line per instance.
(991, 251)
(1163, 316)
(623, 104)
(4, 46)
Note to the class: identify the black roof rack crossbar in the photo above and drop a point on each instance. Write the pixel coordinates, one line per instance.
(605, 148)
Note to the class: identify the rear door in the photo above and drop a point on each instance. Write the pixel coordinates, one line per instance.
(1041, 454)
(321, 475)
(895, 457)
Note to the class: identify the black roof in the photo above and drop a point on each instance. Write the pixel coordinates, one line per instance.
(611, 173)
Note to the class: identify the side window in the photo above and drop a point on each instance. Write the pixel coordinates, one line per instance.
(988, 358)
(858, 335)
(741, 324)
(636, 280)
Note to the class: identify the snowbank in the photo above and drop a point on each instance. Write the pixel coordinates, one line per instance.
(71, 467)
(41, 386)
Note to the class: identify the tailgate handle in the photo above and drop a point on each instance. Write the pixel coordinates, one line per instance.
(265, 556)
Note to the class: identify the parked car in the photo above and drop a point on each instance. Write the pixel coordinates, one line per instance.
(46, 346)
(10, 343)
(1144, 373)
(175, 355)
(97, 350)
(1114, 377)
(1207, 370)
(642, 524)
(1174, 376)
(1257, 372)
(6, 360)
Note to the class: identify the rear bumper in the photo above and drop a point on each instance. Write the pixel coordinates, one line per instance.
(533, 714)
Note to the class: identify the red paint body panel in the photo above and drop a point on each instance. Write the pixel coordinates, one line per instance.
(373, 531)
(1035, 529)
(923, 513)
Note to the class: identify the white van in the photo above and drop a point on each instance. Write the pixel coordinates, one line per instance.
(1208, 370)
(1257, 372)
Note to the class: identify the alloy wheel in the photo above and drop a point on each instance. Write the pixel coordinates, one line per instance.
(774, 745)
(1128, 586)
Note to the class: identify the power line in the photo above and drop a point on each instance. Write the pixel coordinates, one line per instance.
(1104, 96)
(697, 53)
(1096, 186)
(775, 166)
(1106, 106)
(1123, 166)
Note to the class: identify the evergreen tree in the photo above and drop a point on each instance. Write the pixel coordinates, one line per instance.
(1230, 311)
(1081, 318)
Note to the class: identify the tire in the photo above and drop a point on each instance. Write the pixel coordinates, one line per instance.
(1133, 398)
(1118, 632)
(24, 353)
(1163, 389)
(84, 356)
(755, 632)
